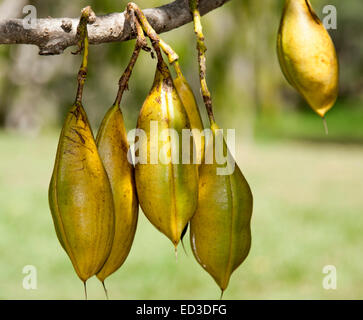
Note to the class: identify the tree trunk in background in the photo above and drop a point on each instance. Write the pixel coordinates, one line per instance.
(26, 101)
(8, 9)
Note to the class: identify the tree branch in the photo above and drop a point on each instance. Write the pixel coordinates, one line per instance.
(54, 35)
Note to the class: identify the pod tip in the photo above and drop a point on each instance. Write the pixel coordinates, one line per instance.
(104, 288)
(176, 253)
(222, 292)
(185, 251)
(325, 126)
(85, 290)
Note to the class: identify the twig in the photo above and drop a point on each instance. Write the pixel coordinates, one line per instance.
(155, 38)
(149, 30)
(82, 36)
(140, 44)
(201, 47)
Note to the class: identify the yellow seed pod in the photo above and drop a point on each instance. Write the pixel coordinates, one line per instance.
(307, 56)
(167, 190)
(80, 197)
(187, 97)
(113, 148)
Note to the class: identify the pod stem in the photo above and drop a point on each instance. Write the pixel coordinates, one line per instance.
(177, 69)
(155, 38)
(87, 16)
(140, 44)
(104, 288)
(201, 47)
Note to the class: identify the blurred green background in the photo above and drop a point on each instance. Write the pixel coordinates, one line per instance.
(307, 186)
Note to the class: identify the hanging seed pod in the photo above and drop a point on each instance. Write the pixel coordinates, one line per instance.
(307, 56)
(113, 148)
(185, 94)
(167, 191)
(80, 197)
(220, 232)
(187, 97)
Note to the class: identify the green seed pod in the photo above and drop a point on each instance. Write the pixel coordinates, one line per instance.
(220, 231)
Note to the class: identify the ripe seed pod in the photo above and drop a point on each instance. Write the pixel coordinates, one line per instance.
(167, 191)
(307, 56)
(113, 148)
(190, 104)
(80, 197)
(220, 233)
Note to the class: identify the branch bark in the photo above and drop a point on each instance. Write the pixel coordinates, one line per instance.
(54, 35)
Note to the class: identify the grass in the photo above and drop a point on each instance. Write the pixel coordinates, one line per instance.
(344, 122)
(307, 214)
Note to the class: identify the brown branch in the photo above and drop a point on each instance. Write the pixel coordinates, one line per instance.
(54, 35)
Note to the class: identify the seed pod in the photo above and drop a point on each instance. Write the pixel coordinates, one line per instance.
(167, 190)
(80, 197)
(220, 232)
(307, 56)
(187, 97)
(113, 148)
